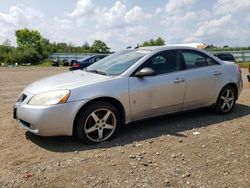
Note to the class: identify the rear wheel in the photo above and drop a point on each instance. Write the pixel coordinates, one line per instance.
(226, 100)
(97, 123)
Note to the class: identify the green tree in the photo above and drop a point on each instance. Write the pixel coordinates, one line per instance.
(25, 54)
(99, 47)
(26, 37)
(44, 48)
(158, 42)
(32, 40)
(86, 46)
(152, 42)
(146, 43)
(5, 52)
(62, 47)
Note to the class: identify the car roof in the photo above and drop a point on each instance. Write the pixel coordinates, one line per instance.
(169, 47)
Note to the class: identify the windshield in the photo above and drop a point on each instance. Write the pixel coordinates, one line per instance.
(117, 63)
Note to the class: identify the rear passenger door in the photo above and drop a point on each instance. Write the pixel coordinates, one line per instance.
(203, 77)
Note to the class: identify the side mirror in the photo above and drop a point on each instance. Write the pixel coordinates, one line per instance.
(145, 72)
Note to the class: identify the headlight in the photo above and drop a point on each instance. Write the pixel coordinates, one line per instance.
(50, 98)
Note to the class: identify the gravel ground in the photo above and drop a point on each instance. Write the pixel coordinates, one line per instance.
(192, 149)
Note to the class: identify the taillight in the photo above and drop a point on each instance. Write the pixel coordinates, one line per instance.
(239, 68)
(76, 65)
(249, 68)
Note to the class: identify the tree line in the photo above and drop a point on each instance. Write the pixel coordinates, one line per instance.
(33, 48)
(227, 48)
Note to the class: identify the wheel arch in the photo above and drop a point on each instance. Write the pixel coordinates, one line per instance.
(110, 100)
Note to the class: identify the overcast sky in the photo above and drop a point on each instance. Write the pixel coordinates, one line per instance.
(128, 22)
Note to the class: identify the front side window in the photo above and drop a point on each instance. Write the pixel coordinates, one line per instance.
(164, 62)
(195, 60)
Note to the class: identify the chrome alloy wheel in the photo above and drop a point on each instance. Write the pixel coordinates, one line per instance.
(227, 100)
(100, 125)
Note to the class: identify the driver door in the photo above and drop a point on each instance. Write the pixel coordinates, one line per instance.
(161, 93)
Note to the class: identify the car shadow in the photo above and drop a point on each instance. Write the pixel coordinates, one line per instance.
(173, 125)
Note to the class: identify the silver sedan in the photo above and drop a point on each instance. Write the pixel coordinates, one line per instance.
(127, 86)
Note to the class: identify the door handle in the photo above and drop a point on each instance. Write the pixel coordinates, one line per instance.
(217, 73)
(179, 80)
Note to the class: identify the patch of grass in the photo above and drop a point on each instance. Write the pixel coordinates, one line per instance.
(244, 64)
(45, 63)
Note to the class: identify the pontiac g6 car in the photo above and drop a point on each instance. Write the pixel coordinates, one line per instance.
(127, 86)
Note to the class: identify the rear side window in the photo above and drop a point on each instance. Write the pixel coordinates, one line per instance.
(195, 60)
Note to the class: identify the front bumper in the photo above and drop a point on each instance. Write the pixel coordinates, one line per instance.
(52, 120)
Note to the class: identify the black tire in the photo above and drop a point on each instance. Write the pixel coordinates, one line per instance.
(223, 107)
(93, 116)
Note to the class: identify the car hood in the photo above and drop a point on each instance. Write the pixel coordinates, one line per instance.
(67, 80)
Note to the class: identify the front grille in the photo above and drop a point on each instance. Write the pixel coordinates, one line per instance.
(22, 98)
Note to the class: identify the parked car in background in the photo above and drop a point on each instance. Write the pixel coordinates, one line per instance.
(72, 61)
(65, 62)
(55, 63)
(127, 86)
(225, 57)
(83, 63)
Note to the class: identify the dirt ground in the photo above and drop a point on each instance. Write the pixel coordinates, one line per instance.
(192, 149)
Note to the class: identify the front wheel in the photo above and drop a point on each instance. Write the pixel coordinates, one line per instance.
(226, 100)
(98, 122)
